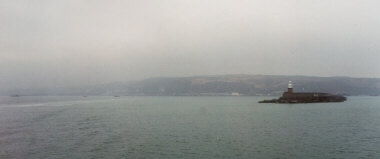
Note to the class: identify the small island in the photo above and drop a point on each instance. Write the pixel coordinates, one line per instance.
(307, 97)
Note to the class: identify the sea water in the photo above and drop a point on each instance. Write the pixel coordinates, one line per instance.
(186, 127)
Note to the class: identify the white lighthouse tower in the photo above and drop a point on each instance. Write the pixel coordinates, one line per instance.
(290, 87)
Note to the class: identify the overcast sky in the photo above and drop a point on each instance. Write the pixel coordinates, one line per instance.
(73, 42)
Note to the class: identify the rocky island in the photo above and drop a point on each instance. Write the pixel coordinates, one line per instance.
(305, 97)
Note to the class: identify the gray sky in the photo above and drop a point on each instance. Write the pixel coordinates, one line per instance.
(72, 42)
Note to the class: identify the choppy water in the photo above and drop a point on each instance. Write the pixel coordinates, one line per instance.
(186, 127)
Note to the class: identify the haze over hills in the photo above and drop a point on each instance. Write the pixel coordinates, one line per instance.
(250, 85)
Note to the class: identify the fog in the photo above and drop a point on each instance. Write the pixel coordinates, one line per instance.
(55, 43)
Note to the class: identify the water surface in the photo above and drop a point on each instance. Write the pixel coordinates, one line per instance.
(187, 127)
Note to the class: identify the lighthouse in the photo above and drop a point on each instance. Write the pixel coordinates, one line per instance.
(290, 87)
(305, 97)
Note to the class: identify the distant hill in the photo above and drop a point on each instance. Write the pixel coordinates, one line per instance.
(254, 85)
(250, 85)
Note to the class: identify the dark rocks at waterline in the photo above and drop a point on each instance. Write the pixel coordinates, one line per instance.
(312, 98)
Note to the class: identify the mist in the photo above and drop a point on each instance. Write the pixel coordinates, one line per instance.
(78, 42)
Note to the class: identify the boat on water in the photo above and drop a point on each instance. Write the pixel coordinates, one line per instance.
(305, 97)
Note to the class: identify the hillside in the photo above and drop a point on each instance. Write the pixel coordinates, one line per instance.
(249, 85)
(254, 85)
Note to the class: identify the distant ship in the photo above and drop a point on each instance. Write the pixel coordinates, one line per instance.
(15, 95)
(307, 97)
